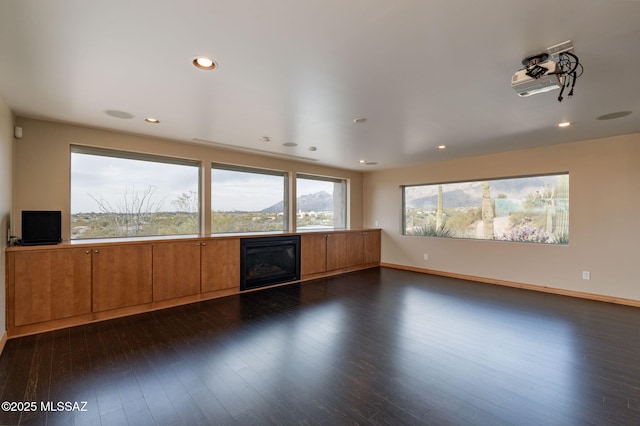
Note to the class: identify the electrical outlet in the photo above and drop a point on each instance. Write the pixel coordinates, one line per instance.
(586, 275)
(426, 256)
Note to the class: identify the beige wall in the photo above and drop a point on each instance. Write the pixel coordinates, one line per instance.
(6, 170)
(604, 189)
(42, 163)
(604, 205)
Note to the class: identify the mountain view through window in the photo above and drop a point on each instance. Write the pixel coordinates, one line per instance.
(528, 209)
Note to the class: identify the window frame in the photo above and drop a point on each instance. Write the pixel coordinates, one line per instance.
(563, 239)
(343, 181)
(136, 156)
(253, 170)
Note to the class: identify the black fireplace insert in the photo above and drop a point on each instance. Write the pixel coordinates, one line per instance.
(269, 260)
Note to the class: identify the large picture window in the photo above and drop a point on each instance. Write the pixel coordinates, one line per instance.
(248, 200)
(116, 194)
(321, 202)
(527, 209)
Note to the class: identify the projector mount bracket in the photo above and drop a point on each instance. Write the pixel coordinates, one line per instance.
(533, 67)
(533, 60)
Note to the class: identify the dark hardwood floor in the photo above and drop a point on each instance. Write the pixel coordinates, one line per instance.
(379, 346)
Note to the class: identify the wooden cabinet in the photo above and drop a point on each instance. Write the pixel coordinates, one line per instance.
(176, 269)
(121, 276)
(59, 286)
(189, 268)
(334, 251)
(372, 246)
(354, 254)
(363, 248)
(220, 264)
(313, 253)
(52, 284)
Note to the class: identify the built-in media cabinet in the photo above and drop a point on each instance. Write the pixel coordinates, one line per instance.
(56, 286)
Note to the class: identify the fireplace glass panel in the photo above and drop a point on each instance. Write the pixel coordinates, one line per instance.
(269, 260)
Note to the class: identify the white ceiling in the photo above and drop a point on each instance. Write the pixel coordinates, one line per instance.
(422, 72)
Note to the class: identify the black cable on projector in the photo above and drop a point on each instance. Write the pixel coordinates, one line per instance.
(570, 70)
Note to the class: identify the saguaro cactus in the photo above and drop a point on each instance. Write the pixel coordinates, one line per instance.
(561, 197)
(440, 211)
(487, 211)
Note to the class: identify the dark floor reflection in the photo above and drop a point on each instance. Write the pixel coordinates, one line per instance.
(379, 346)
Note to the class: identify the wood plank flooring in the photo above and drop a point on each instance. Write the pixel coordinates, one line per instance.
(379, 346)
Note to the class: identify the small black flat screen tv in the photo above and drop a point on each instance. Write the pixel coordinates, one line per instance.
(40, 227)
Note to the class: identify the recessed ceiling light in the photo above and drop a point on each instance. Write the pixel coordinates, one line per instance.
(265, 138)
(204, 63)
(289, 144)
(442, 146)
(313, 148)
(152, 120)
(359, 120)
(564, 124)
(362, 161)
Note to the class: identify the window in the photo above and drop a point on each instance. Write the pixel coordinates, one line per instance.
(320, 202)
(527, 209)
(248, 200)
(116, 194)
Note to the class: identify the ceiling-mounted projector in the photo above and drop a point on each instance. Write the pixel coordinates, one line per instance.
(539, 75)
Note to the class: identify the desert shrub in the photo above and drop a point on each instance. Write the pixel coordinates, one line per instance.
(430, 231)
(528, 234)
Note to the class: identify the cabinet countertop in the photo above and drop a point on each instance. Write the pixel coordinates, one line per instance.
(170, 238)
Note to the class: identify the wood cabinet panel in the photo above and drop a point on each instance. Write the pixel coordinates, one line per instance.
(313, 252)
(336, 251)
(354, 254)
(176, 269)
(339, 250)
(363, 248)
(372, 246)
(51, 284)
(121, 276)
(220, 265)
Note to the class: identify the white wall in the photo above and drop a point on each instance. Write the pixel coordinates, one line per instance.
(603, 224)
(6, 175)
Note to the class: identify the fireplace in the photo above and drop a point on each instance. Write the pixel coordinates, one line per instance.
(269, 260)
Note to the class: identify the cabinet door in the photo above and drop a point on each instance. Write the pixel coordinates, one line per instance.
(355, 248)
(336, 251)
(220, 263)
(51, 284)
(176, 269)
(121, 276)
(313, 251)
(372, 246)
